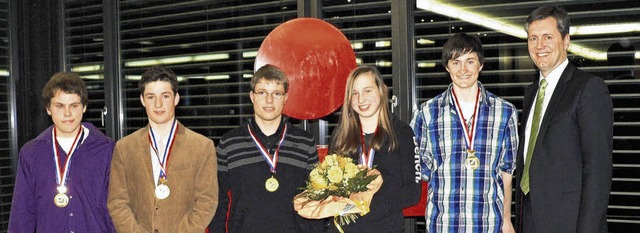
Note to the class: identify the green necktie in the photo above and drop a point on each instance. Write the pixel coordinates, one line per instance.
(535, 126)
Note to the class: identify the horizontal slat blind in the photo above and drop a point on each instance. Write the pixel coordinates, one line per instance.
(367, 25)
(6, 172)
(210, 45)
(508, 70)
(84, 41)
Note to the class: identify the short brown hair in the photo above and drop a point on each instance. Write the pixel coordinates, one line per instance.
(270, 73)
(558, 13)
(69, 83)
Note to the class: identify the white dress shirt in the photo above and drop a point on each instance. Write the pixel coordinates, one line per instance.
(552, 82)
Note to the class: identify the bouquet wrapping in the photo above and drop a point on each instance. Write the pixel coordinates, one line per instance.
(338, 188)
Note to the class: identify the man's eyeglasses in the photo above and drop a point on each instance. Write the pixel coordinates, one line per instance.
(264, 94)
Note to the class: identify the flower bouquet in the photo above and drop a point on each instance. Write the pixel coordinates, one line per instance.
(338, 188)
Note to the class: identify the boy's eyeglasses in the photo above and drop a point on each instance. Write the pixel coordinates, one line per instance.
(264, 94)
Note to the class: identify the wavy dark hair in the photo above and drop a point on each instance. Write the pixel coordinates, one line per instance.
(158, 73)
(460, 44)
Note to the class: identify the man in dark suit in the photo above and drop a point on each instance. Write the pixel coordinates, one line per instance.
(564, 160)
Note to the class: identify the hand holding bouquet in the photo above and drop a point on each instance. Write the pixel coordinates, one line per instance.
(338, 188)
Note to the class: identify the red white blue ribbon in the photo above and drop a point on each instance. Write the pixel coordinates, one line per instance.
(271, 160)
(366, 158)
(164, 160)
(61, 174)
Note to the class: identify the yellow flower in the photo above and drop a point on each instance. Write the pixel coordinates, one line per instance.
(343, 161)
(335, 175)
(314, 172)
(317, 181)
(318, 185)
(329, 161)
(350, 170)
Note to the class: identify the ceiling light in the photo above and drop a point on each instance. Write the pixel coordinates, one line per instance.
(173, 60)
(216, 77)
(426, 64)
(357, 45)
(425, 42)
(382, 63)
(382, 44)
(604, 29)
(518, 31)
(150, 62)
(249, 54)
(133, 77)
(211, 57)
(93, 77)
(87, 68)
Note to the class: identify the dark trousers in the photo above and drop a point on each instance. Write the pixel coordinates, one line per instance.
(528, 225)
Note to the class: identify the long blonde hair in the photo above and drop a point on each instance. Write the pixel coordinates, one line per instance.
(346, 138)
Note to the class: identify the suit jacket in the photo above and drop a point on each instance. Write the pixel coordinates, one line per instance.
(192, 177)
(570, 171)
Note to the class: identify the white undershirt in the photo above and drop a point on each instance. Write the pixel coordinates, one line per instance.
(552, 82)
(65, 143)
(467, 110)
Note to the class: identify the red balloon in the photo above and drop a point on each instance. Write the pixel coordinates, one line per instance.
(317, 58)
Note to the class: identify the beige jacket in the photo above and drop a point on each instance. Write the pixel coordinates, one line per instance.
(192, 177)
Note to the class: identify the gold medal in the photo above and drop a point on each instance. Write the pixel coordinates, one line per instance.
(61, 200)
(472, 162)
(272, 184)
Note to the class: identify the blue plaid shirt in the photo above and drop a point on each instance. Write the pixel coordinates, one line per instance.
(461, 199)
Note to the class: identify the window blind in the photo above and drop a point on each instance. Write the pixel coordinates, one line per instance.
(6, 153)
(367, 25)
(83, 48)
(210, 45)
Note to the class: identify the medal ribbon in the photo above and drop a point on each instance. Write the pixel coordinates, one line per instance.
(164, 161)
(271, 160)
(469, 133)
(61, 175)
(366, 158)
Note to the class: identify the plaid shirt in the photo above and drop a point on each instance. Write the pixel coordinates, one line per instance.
(461, 199)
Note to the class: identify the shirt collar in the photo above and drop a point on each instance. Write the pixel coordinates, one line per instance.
(554, 75)
(89, 129)
(448, 96)
(258, 131)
